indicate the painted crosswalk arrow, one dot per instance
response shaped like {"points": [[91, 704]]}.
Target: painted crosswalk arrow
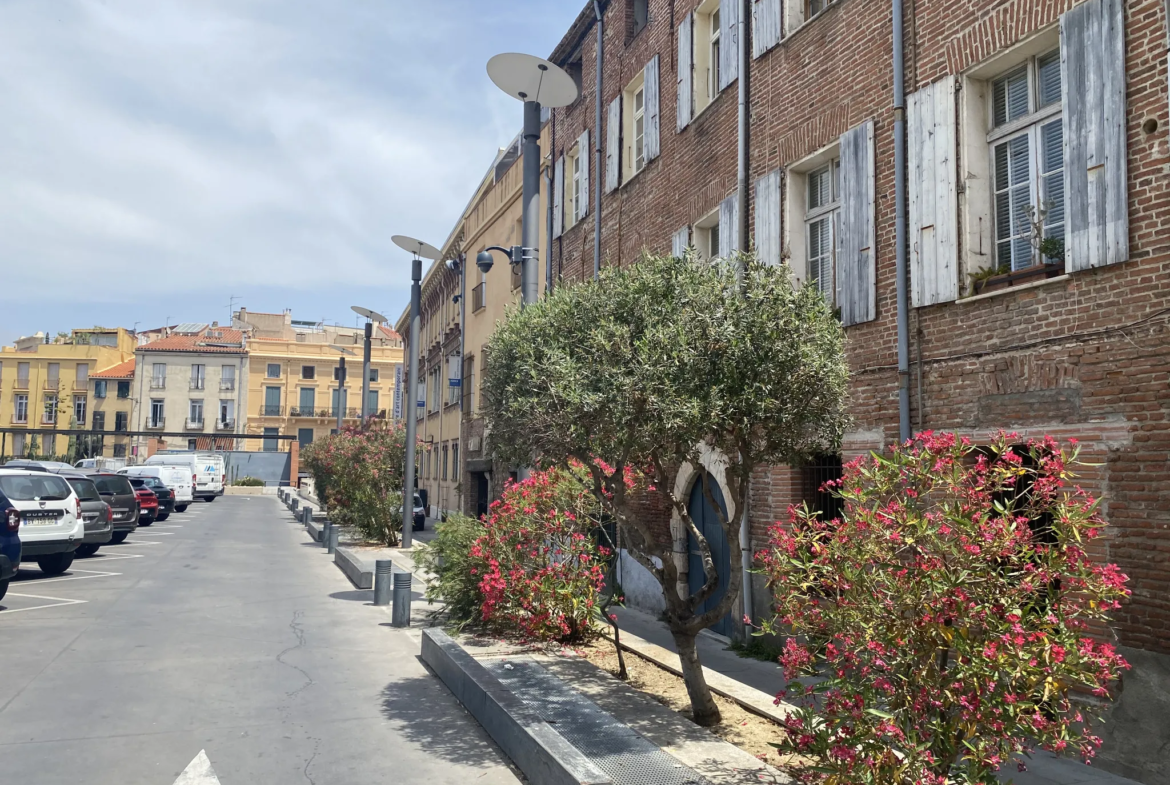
{"points": [[198, 772]]}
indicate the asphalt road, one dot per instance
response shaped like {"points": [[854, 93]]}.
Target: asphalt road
{"points": [[221, 630]]}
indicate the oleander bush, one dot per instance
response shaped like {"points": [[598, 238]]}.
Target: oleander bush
{"points": [[949, 619], [454, 579]]}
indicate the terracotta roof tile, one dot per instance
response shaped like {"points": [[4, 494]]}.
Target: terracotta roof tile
{"points": [[214, 340], [120, 371]]}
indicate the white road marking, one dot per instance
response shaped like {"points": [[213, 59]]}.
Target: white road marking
{"points": [[57, 602], [111, 557], [198, 772], [96, 574], [155, 534]]}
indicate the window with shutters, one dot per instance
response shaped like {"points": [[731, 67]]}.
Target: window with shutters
{"points": [[707, 236], [576, 185], [797, 12], [813, 202], [637, 15], [634, 114], [706, 55], [1027, 165]]}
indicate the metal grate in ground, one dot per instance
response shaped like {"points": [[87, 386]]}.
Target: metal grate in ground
{"points": [[618, 750]]}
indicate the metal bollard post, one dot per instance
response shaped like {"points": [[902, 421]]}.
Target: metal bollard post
{"points": [[295, 504], [325, 532], [400, 616], [383, 572], [332, 544], [306, 514]]}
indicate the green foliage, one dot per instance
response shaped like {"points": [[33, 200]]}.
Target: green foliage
{"points": [[248, 482], [358, 475], [757, 649], [448, 559]]}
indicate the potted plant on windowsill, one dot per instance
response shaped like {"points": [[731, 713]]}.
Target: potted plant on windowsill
{"points": [[1051, 255]]}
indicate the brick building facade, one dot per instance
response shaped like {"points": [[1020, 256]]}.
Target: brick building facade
{"points": [[1049, 321]]}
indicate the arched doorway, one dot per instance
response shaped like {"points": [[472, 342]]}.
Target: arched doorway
{"points": [[707, 521]]}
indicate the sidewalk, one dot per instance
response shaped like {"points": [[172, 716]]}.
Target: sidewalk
{"points": [[1043, 768]]}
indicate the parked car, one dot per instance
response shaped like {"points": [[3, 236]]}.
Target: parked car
{"points": [[207, 471], [165, 496], [95, 514], [51, 526], [27, 463], [147, 502], [9, 543], [420, 514], [178, 478], [109, 464], [116, 491]]}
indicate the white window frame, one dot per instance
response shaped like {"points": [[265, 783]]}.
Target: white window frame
{"points": [[573, 194], [49, 415], [1031, 127], [632, 163], [705, 237], [705, 58], [268, 371], [798, 217], [158, 412], [80, 409], [198, 376], [20, 408], [195, 406]]}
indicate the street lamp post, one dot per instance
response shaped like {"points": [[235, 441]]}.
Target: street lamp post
{"points": [[420, 250], [371, 318], [537, 82], [340, 393]]}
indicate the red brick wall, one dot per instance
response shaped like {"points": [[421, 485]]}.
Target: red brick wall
{"points": [[1088, 356]]}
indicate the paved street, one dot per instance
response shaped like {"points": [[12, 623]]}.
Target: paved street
{"points": [[221, 630]]}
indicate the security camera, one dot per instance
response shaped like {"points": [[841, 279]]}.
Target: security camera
{"points": [[484, 261]]}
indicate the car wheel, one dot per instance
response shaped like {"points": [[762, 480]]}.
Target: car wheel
{"points": [[145, 521], [164, 516], [3, 589], [210, 499], [55, 564], [119, 538], [181, 508], [85, 551]]}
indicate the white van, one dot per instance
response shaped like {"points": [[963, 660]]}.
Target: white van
{"points": [[177, 478], [207, 471], [102, 464]]}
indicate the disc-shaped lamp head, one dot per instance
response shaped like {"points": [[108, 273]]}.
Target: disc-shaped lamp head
{"points": [[373, 316], [531, 78], [416, 247]]}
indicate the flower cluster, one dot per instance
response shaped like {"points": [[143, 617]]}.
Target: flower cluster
{"points": [[539, 564], [358, 475], [944, 624]]}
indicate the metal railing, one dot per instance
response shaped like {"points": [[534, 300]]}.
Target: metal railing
{"points": [[18, 420], [271, 411], [20, 384], [227, 385], [225, 425], [197, 384], [157, 383], [195, 425], [477, 296], [52, 384], [156, 424], [81, 385]]}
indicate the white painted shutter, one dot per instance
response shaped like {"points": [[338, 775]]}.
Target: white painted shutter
{"points": [[651, 145], [559, 197], [856, 239], [768, 218], [686, 71], [933, 194], [728, 226], [1092, 60], [765, 26], [728, 42], [583, 155], [680, 242], [613, 144]]}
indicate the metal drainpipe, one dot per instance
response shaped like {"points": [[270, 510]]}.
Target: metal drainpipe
{"points": [[462, 354], [900, 227], [596, 169], [548, 188], [745, 534]]}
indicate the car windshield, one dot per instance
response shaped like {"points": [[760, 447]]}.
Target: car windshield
{"points": [[48, 488], [86, 490], [155, 482], [113, 485], [418, 501]]}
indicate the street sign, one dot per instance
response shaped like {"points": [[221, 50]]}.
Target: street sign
{"points": [[422, 395], [454, 371], [397, 392]]}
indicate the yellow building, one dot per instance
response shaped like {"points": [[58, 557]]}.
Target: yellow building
{"points": [[112, 401], [454, 468], [45, 389], [292, 376]]}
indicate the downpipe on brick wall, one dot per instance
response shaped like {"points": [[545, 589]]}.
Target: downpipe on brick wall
{"points": [[900, 227], [745, 534], [596, 168]]}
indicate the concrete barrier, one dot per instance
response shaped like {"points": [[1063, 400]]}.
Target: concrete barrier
{"points": [[314, 530], [544, 756], [360, 573]]}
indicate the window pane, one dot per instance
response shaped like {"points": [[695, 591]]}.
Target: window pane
{"points": [[819, 188], [1010, 97], [1048, 70], [1013, 229], [820, 255], [1052, 178]]}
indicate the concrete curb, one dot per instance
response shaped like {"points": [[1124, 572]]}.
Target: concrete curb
{"points": [[544, 756], [360, 574], [315, 530]]}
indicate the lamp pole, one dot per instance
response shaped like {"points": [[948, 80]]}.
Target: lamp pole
{"points": [[412, 413], [366, 373], [340, 393], [530, 203]]}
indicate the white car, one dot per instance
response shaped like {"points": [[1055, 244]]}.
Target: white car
{"points": [[51, 525], [177, 478]]}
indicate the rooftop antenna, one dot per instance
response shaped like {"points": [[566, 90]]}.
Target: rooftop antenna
{"points": [[231, 306]]}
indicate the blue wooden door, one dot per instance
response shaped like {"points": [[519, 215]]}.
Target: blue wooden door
{"points": [[707, 522]]}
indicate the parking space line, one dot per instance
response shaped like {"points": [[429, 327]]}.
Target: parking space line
{"points": [[105, 558], [156, 534], [96, 574], [57, 602]]}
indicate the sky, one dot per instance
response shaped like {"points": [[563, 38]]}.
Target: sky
{"points": [[160, 159]]}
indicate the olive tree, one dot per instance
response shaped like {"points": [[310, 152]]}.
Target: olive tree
{"points": [[664, 363]]}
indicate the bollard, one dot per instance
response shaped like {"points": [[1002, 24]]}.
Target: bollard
{"points": [[325, 532], [400, 616], [306, 514], [383, 572], [334, 531], [295, 504]]}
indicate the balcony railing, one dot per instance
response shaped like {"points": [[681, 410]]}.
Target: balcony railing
{"points": [[52, 384], [121, 427], [227, 385], [20, 384], [477, 295], [158, 424], [19, 420], [225, 425], [196, 384], [48, 419], [271, 411], [194, 425], [158, 384], [81, 385]]}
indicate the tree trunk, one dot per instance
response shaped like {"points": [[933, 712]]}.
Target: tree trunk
{"points": [[703, 707]]}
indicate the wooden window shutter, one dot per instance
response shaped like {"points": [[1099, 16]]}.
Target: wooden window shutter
{"points": [[856, 239], [1092, 60], [933, 194], [729, 226], [765, 26], [583, 154], [768, 218], [559, 197], [686, 69], [728, 42], [680, 242], [613, 144], [651, 144]]}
